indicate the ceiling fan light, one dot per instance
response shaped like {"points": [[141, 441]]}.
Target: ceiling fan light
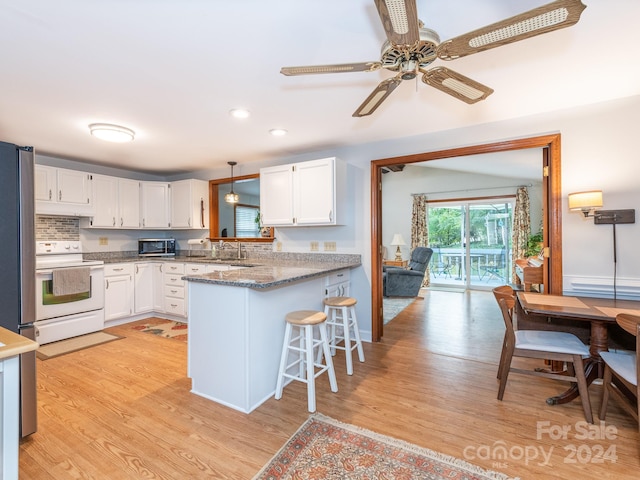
{"points": [[111, 133], [239, 113], [548, 19], [278, 132]]}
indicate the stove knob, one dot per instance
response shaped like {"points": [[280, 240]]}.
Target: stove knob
{"points": [[67, 247]]}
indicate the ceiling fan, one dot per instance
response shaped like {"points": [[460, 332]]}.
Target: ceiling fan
{"points": [[410, 49]]}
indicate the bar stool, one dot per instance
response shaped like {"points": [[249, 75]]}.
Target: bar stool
{"points": [[341, 314], [304, 344]]}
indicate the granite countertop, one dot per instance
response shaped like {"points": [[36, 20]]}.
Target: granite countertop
{"points": [[270, 273], [13, 344]]}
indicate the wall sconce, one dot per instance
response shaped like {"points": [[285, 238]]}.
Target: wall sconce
{"points": [[397, 241], [231, 197], [587, 202]]}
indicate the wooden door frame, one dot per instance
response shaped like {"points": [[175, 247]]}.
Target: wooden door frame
{"points": [[552, 212]]}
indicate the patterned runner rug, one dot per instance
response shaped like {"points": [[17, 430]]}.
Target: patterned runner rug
{"points": [[164, 328], [324, 448], [391, 307]]}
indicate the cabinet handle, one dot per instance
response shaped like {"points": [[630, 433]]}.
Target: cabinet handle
{"points": [[136, 268], [107, 287], [121, 221], [174, 305], [174, 291], [114, 221], [189, 221], [161, 268], [59, 195], [340, 275], [202, 212], [50, 194], [330, 214]]}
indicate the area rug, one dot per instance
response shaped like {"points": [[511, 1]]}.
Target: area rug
{"points": [[324, 448], [165, 328], [62, 347], [391, 307]]}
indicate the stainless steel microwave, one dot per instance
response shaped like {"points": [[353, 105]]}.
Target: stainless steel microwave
{"points": [[157, 247]]}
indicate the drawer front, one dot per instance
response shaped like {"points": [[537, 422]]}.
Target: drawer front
{"points": [[174, 306], [337, 277], [171, 279], [194, 269], [113, 269], [174, 291], [173, 267]]}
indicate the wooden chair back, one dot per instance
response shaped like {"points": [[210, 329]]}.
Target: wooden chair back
{"points": [[505, 292]]}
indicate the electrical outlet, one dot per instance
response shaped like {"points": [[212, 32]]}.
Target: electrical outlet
{"points": [[329, 246], [103, 241], [279, 246], [315, 246]]}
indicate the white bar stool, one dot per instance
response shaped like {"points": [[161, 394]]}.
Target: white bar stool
{"points": [[341, 313], [304, 344]]}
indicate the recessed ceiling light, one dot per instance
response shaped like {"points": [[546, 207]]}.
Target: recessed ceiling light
{"points": [[239, 113], [278, 132], [111, 133]]}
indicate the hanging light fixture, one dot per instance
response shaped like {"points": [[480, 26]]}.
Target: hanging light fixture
{"points": [[231, 197]]}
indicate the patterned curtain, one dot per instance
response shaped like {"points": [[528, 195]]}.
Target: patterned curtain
{"points": [[420, 228], [521, 229]]}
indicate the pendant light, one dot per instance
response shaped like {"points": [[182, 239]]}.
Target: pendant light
{"points": [[231, 197]]}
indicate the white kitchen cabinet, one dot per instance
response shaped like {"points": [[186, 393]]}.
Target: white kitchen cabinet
{"points": [[174, 289], [276, 195], [303, 194], [59, 191], [118, 293], [337, 284], [143, 291], [190, 204], [116, 202], [155, 205], [158, 287]]}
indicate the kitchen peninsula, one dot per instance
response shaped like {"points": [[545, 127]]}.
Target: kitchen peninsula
{"points": [[236, 323]]}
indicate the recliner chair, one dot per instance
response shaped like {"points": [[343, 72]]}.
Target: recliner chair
{"points": [[401, 282]]}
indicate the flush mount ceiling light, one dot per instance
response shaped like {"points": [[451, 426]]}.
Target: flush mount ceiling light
{"points": [[278, 132], [111, 133], [239, 113], [231, 197]]}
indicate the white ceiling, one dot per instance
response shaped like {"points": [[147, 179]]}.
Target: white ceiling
{"points": [[172, 69]]}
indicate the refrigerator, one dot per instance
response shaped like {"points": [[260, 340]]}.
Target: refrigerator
{"points": [[17, 281]]}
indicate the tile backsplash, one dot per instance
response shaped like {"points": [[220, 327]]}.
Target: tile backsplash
{"points": [[57, 228]]}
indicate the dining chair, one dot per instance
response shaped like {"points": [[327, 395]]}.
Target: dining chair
{"points": [[621, 368], [558, 346]]}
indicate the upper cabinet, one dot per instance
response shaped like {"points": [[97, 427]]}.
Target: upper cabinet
{"points": [[155, 205], [190, 204], [304, 194], [116, 202], [59, 191]]}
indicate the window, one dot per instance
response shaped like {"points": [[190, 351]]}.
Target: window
{"points": [[246, 225]]}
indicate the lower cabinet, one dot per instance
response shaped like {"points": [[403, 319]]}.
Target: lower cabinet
{"points": [[118, 291], [174, 289], [143, 288], [158, 286], [337, 284]]}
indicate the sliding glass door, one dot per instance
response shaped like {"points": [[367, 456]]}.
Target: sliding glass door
{"points": [[471, 243]]}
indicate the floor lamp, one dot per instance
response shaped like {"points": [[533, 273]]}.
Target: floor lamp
{"points": [[587, 202]]}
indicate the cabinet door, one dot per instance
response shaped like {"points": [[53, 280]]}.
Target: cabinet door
{"points": [[73, 187], [158, 287], [314, 192], [143, 288], [45, 183], [105, 199], [181, 203], [154, 204], [128, 203], [276, 195], [117, 297]]}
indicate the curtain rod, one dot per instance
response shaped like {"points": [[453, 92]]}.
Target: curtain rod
{"points": [[470, 190]]}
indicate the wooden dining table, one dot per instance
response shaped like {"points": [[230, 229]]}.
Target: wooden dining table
{"points": [[599, 312]]}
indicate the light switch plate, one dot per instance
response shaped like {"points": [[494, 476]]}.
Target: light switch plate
{"points": [[329, 246], [315, 246]]}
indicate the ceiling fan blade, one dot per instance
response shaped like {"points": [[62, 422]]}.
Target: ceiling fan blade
{"points": [[373, 101], [337, 68], [399, 20], [456, 85], [547, 18]]}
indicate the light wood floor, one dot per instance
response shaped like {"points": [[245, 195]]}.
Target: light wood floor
{"points": [[123, 410]]}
